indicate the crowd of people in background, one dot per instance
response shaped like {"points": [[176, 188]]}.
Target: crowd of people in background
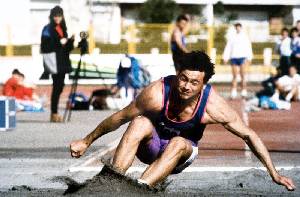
{"points": [[288, 47], [278, 91], [284, 86]]}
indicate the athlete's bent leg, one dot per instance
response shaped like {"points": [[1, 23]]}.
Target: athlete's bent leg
{"points": [[177, 152], [140, 129]]}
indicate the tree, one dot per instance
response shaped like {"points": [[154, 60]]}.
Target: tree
{"points": [[158, 11]]}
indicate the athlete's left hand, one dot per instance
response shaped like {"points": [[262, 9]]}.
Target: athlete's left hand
{"points": [[285, 181]]}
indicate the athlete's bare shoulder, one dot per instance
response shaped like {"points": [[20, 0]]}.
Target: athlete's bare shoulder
{"points": [[217, 110], [176, 33], [150, 99]]}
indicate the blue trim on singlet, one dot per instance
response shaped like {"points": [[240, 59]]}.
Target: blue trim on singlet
{"points": [[191, 129]]}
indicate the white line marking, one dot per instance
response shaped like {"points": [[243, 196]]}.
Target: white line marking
{"points": [[215, 169], [189, 169], [84, 165]]}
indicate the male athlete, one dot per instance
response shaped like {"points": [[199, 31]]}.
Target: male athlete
{"points": [[178, 44], [167, 121]]}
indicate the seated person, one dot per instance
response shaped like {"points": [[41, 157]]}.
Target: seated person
{"points": [[26, 99], [288, 86]]}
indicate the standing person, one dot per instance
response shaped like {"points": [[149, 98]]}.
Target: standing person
{"points": [[178, 44], [284, 49], [55, 39], [295, 44], [239, 51], [167, 121]]}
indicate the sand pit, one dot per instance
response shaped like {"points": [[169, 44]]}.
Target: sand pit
{"points": [[109, 182], [251, 182]]}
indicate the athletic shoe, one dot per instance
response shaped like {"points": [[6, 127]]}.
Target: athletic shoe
{"points": [[244, 93], [233, 94]]}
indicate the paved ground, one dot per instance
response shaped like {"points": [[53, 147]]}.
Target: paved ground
{"points": [[37, 152]]}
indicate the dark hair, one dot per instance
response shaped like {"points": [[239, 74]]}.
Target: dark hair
{"points": [[294, 29], [182, 17], [58, 11], [284, 29], [197, 61], [238, 25], [16, 72], [298, 21]]}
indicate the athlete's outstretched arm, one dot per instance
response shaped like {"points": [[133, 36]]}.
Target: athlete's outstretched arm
{"points": [[218, 111], [149, 100]]}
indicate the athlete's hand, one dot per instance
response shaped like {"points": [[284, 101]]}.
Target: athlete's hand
{"points": [[285, 181], [78, 148]]}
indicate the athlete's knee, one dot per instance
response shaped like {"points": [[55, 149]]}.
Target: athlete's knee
{"points": [[139, 128], [179, 145]]}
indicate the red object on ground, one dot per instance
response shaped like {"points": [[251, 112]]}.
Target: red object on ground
{"points": [[13, 88]]}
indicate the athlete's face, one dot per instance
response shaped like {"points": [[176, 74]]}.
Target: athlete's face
{"points": [[189, 83], [182, 24]]}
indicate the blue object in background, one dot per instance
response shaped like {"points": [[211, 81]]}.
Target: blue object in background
{"points": [[7, 113]]}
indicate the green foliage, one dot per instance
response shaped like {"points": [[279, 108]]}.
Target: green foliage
{"points": [[219, 8], [158, 11]]}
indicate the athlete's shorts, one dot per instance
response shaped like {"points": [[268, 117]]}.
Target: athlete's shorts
{"points": [[148, 153], [237, 61]]}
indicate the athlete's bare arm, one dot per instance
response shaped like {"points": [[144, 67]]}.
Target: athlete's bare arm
{"points": [[147, 103], [177, 38], [218, 111]]}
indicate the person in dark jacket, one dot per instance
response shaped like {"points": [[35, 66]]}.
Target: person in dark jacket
{"points": [[55, 39]]}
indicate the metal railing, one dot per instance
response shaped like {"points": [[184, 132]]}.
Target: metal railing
{"points": [[149, 38]]}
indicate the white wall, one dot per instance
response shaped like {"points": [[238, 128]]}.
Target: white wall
{"points": [[107, 23], [296, 13], [15, 15]]}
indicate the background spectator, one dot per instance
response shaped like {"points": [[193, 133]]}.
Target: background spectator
{"points": [[178, 44], [288, 85], [26, 99], [285, 51], [238, 50], [55, 39], [295, 56]]}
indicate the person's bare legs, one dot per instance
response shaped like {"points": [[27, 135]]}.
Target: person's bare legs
{"points": [[293, 94], [235, 70], [243, 79], [177, 151], [139, 129]]}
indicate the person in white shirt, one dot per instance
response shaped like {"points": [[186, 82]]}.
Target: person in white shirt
{"points": [[284, 48], [288, 85], [239, 51]]}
